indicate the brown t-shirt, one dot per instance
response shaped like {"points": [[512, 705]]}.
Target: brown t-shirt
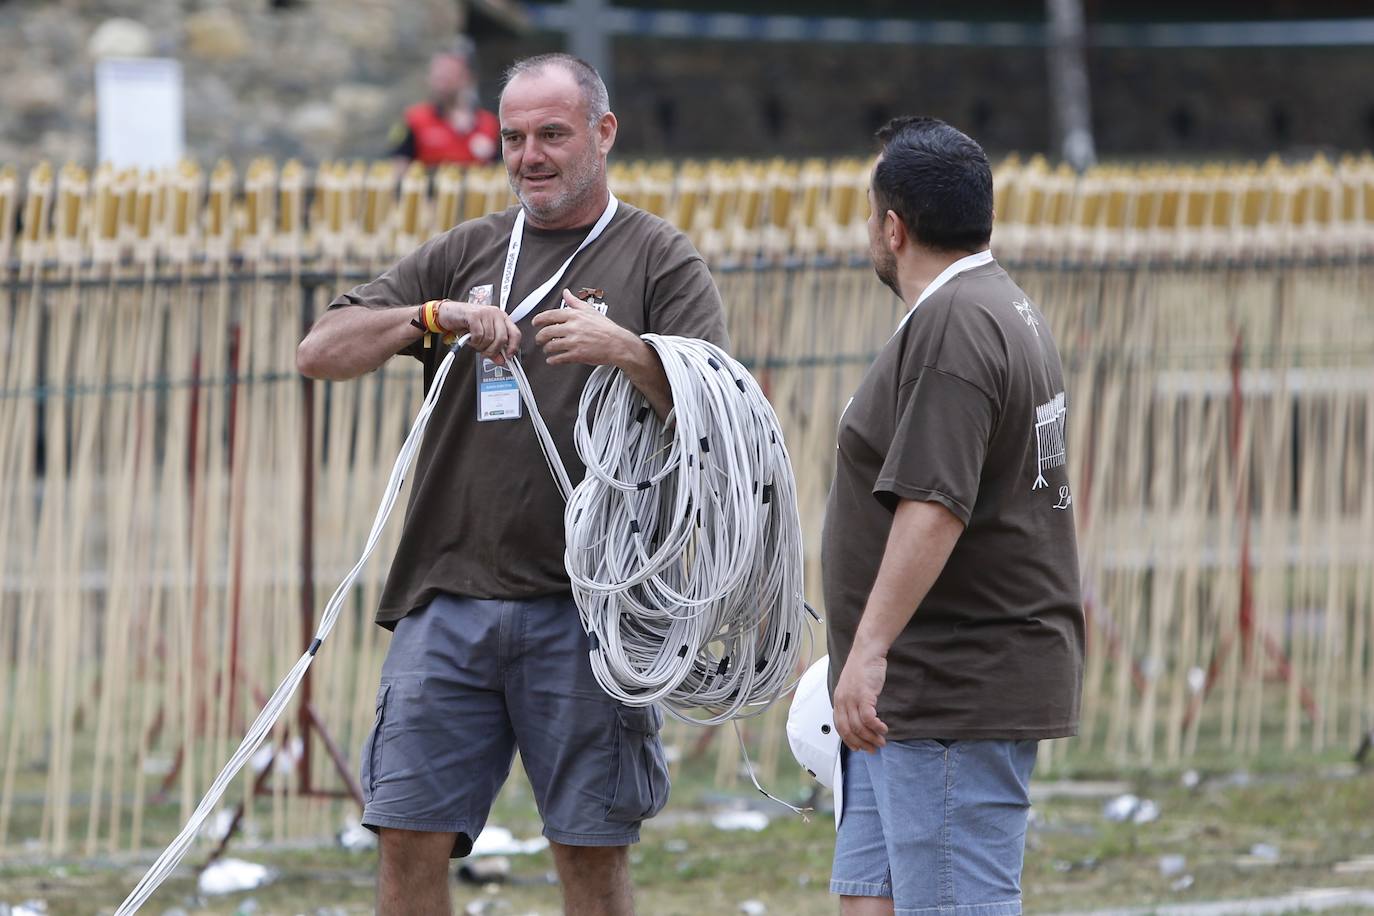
{"points": [[485, 519], [965, 406]]}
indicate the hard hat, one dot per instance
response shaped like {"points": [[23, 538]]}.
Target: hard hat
{"points": [[811, 731]]}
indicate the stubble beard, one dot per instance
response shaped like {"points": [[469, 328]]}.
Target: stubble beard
{"points": [[580, 182], [885, 266]]}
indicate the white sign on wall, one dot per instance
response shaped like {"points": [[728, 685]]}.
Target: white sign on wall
{"points": [[139, 111]]}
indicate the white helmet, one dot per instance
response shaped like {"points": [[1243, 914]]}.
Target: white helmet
{"points": [[811, 731]]}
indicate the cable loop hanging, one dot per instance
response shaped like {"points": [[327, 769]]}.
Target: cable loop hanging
{"points": [[684, 541]]}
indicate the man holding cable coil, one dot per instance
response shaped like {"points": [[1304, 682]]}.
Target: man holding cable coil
{"points": [[488, 654], [951, 575]]}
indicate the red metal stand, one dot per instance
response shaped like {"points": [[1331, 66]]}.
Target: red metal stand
{"points": [[308, 723], [1246, 611]]}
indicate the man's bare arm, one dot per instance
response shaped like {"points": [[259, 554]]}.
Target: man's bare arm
{"points": [[644, 369], [347, 342], [923, 536]]}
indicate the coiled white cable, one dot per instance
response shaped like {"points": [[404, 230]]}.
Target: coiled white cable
{"points": [[684, 551], [684, 542]]}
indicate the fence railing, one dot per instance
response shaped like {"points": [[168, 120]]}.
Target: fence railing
{"points": [[174, 497], [735, 211]]}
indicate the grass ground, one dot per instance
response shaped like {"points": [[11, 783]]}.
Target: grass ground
{"points": [[1268, 831]]}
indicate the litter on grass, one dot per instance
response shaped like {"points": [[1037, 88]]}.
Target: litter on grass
{"points": [[230, 876]]}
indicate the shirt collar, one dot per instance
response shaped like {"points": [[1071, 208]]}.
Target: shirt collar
{"points": [[949, 273]]}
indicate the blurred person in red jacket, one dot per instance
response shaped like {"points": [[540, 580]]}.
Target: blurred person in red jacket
{"points": [[451, 126]]}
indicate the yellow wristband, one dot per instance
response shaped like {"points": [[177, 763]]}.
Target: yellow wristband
{"points": [[432, 317]]}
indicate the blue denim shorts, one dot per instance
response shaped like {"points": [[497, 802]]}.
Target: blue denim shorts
{"points": [[466, 683], [939, 827]]}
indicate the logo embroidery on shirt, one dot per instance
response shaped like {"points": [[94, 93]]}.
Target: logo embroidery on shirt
{"points": [[1023, 308], [595, 297], [1049, 438]]}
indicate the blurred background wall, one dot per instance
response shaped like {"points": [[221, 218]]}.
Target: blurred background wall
{"points": [[320, 80]]}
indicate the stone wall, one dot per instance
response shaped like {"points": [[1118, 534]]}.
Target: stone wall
{"points": [[315, 79], [322, 79]]}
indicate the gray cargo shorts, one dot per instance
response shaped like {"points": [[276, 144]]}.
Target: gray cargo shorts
{"points": [[465, 684]]}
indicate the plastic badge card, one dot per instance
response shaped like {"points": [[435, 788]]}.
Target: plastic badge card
{"points": [[498, 395]]}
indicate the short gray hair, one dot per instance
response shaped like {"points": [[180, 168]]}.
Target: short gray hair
{"points": [[594, 93]]}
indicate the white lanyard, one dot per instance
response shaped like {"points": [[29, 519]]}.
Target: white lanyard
{"points": [[513, 255], [949, 273]]}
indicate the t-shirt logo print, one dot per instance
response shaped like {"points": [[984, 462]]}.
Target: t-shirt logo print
{"points": [[595, 297], [1023, 308], [1049, 437]]}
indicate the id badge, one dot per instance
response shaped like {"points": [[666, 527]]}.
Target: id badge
{"points": [[498, 394]]}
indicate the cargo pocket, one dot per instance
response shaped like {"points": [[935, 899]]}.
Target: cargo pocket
{"points": [[639, 787], [372, 747]]}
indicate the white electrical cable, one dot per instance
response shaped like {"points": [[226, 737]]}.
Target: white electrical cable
{"points": [[684, 543], [684, 551], [276, 705]]}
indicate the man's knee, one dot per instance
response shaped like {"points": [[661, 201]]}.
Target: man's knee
{"points": [[415, 850], [590, 856], [865, 906], [595, 879], [591, 865], [412, 877]]}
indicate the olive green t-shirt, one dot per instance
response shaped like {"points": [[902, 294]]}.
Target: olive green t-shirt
{"points": [[485, 519], [965, 406]]}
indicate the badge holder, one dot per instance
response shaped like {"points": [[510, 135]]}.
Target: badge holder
{"points": [[498, 394]]}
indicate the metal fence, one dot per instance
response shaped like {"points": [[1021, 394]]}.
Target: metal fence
{"points": [[174, 498]]}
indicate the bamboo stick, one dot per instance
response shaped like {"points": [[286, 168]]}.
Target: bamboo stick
{"points": [[140, 490]]}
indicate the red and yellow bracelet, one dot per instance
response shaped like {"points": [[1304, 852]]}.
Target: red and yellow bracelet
{"points": [[428, 321], [432, 317]]}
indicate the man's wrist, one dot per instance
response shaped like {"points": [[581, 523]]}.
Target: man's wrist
{"points": [[868, 647], [635, 356], [430, 316], [451, 316]]}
